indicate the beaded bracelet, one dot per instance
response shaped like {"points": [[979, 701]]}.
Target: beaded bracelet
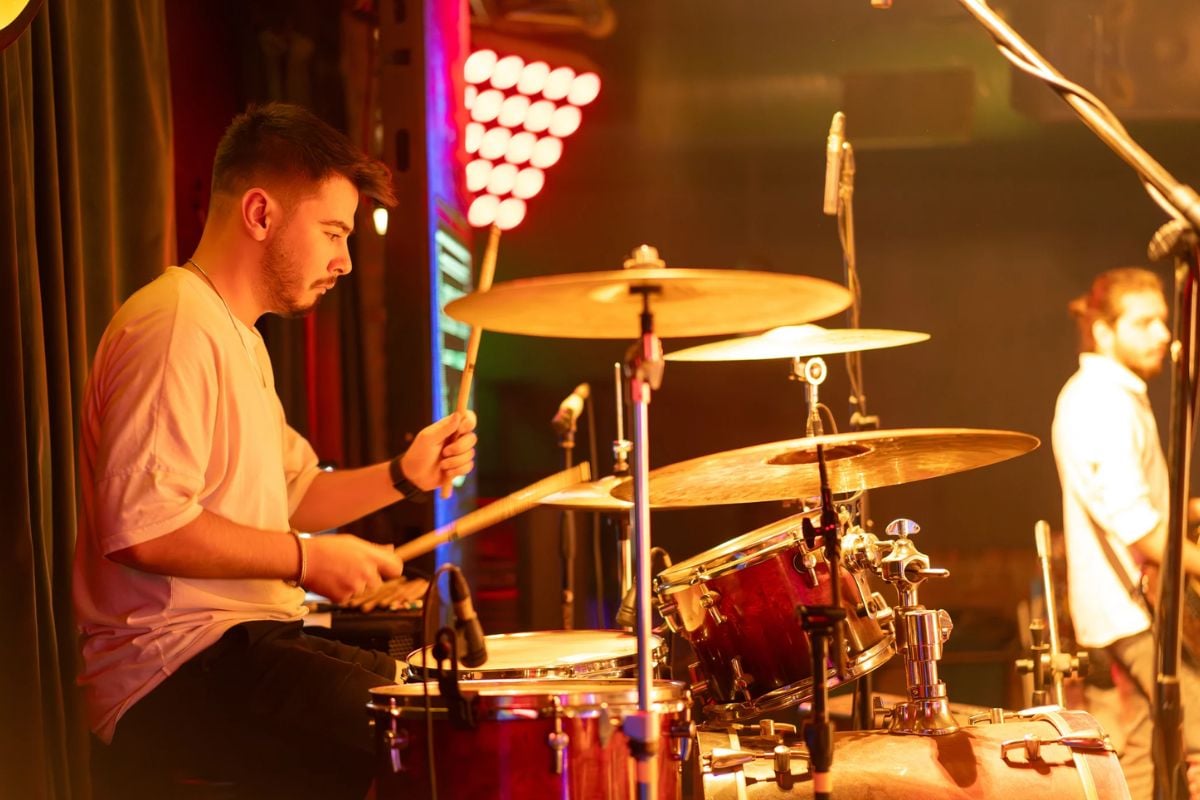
{"points": [[303, 572]]}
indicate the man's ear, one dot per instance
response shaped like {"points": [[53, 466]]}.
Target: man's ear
{"points": [[258, 212], [1102, 335]]}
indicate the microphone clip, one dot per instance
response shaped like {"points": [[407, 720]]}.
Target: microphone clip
{"points": [[458, 708]]}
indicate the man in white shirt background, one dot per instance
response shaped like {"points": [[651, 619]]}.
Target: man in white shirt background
{"points": [[1116, 495]]}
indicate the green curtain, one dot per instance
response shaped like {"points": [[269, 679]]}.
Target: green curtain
{"points": [[86, 216]]}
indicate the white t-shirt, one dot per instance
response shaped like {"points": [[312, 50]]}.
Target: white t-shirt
{"points": [[1114, 481], [180, 415]]}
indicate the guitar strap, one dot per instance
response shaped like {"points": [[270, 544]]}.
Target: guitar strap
{"points": [[1136, 589]]}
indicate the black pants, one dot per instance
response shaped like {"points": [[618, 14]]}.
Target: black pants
{"points": [[267, 711]]}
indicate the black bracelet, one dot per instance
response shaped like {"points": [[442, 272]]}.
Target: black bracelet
{"points": [[401, 483]]}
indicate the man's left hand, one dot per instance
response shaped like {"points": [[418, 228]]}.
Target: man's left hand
{"points": [[441, 451]]}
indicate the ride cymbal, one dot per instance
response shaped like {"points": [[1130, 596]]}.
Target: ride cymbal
{"points": [[684, 301], [798, 341], [854, 461]]}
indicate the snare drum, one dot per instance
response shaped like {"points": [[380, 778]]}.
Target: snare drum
{"points": [[737, 605], [556, 738], [979, 761], [549, 654]]}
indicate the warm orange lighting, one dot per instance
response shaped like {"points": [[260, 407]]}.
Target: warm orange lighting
{"points": [[546, 152], [520, 147], [482, 212], [510, 213], [479, 65], [529, 182], [584, 89], [565, 121], [507, 72]]}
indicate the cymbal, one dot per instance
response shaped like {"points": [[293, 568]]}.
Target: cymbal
{"points": [[798, 341], [685, 301], [589, 496], [854, 461]]}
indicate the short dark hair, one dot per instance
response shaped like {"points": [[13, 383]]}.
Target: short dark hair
{"points": [[289, 143], [1103, 300]]}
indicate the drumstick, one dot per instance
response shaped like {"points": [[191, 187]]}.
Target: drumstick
{"points": [[486, 271], [489, 515]]}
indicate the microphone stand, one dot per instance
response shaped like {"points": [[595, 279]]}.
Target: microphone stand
{"points": [[1182, 203], [566, 441]]}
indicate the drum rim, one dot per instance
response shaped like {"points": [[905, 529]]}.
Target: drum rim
{"points": [[739, 552], [567, 670], [572, 696]]}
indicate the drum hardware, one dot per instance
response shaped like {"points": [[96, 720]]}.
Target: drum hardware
{"points": [[1047, 663], [564, 423], [1032, 745], [920, 634], [993, 716], [812, 373], [396, 742], [558, 741], [445, 648]]}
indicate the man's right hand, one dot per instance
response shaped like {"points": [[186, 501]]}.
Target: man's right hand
{"points": [[341, 565]]}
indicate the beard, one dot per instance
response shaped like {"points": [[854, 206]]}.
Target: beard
{"points": [[283, 285]]}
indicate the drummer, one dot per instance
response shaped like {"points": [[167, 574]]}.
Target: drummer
{"points": [[189, 571], [1116, 496]]}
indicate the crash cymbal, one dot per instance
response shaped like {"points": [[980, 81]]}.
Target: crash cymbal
{"points": [[589, 496], [798, 341], [685, 302], [855, 461]]}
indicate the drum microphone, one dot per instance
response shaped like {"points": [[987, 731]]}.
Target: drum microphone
{"points": [[833, 162], [466, 621], [627, 613], [570, 409]]}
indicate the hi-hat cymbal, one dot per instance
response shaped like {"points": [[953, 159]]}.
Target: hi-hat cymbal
{"points": [[798, 341], [854, 461], [685, 302]]}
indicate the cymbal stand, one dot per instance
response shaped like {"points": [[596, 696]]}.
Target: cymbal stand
{"points": [[920, 634], [823, 623], [644, 367], [621, 447], [812, 373], [566, 440]]}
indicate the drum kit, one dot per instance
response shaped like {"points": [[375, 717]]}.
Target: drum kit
{"points": [[775, 616]]}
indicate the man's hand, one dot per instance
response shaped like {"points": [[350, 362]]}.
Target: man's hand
{"points": [[441, 451], [341, 565]]}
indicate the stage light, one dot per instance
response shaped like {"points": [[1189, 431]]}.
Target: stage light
{"points": [[513, 110], [502, 179], [479, 65], [509, 213], [495, 143], [537, 118], [584, 89], [477, 174], [482, 212], [520, 147], [487, 106], [533, 78], [474, 135], [558, 83], [380, 217], [565, 121], [507, 72], [469, 96], [529, 182], [546, 152]]}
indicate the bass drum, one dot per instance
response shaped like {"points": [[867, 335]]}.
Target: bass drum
{"points": [[1018, 759]]}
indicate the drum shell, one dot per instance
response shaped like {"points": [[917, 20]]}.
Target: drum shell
{"points": [[507, 753], [956, 766], [749, 611]]}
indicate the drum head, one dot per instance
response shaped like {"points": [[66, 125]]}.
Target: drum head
{"points": [[548, 654], [747, 549]]}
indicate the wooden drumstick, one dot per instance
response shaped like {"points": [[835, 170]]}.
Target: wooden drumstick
{"points": [[489, 515], [486, 271]]}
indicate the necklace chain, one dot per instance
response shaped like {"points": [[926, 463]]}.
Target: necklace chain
{"points": [[258, 367]]}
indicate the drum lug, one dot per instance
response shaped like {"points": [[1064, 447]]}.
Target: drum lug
{"points": [[699, 683], [741, 680], [668, 609], [709, 600], [880, 611], [993, 716], [558, 742], [1032, 745], [806, 564], [683, 735], [604, 727], [396, 741]]}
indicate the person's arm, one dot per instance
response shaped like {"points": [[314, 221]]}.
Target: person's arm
{"points": [[445, 449], [1152, 545], [338, 566]]}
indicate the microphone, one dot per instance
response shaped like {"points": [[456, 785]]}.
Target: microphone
{"points": [[833, 162], [627, 613], [570, 409], [466, 622]]}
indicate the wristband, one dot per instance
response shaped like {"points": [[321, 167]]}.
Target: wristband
{"points": [[401, 483], [302, 573]]}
